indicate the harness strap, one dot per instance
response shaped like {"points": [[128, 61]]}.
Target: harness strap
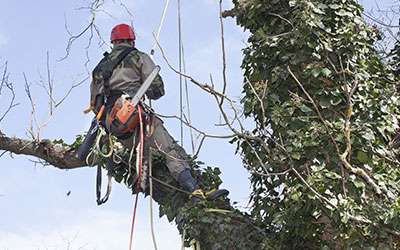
{"points": [[110, 168], [108, 68]]}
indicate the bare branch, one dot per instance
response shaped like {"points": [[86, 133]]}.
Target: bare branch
{"points": [[218, 96], [33, 104], [202, 133], [316, 109], [48, 84], [260, 101], [93, 9], [4, 83], [345, 157], [2, 153]]}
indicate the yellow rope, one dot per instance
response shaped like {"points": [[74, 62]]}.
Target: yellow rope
{"points": [[159, 29], [151, 201], [130, 161], [214, 210], [183, 239], [195, 244], [158, 34]]}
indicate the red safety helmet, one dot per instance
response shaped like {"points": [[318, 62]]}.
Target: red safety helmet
{"points": [[122, 31]]}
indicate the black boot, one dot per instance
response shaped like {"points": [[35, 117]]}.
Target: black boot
{"points": [[189, 184]]}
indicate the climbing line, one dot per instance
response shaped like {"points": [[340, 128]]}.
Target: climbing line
{"points": [[183, 239], [130, 162], [139, 175], [159, 28], [216, 210], [151, 201], [169, 185], [195, 244], [180, 70], [182, 63], [188, 103], [158, 34]]}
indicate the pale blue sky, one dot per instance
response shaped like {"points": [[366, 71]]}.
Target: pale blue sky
{"points": [[35, 212]]}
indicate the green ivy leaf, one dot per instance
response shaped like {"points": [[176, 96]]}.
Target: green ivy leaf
{"points": [[325, 103], [362, 157], [296, 155]]}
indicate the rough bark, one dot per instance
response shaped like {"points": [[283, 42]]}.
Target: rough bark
{"points": [[46, 150]]}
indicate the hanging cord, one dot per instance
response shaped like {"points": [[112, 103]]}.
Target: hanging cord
{"points": [[158, 34], [188, 102], [195, 244], [159, 29], [180, 70], [141, 129], [130, 161], [182, 63], [183, 239], [139, 175], [151, 200]]}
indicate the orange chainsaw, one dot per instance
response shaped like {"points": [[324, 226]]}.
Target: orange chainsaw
{"points": [[123, 115]]}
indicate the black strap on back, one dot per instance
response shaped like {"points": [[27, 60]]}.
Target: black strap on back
{"points": [[108, 67]]}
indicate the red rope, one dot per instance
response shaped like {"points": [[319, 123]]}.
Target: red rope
{"points": [[140, 173]]}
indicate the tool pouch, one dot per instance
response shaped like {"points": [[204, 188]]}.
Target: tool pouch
{"points": [[123, 115]]}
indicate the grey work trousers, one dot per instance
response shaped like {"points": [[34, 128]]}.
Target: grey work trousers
{"points": [[162, 141]]}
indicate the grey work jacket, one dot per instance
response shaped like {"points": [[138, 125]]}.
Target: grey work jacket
{"points": [[129, 75]]}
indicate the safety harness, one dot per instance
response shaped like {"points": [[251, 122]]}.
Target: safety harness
{"points": [[106, 67]]}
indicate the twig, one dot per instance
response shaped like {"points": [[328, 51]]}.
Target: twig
{"points": [[316, 109], [204, 134], [48, 85], [261, 102], [268, 174], [10, 87], [218, 96], [2, 153], [33, 104], [159, 148], [94, 8]]}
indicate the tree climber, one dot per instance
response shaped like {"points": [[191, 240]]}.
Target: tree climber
{"points": [[125, 79]]}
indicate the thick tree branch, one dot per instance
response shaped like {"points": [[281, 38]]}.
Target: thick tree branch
{"points": [[46, 150]]}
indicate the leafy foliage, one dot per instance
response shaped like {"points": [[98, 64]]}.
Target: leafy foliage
{"points": [[325, 173], [326, 106], [78, 141], [215, 224]]}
